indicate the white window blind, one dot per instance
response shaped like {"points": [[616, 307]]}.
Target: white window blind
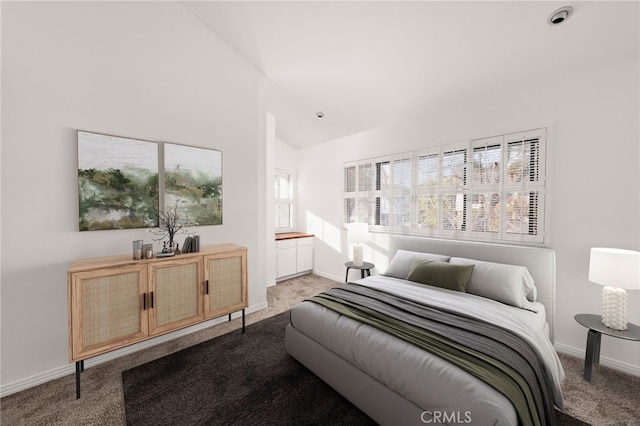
{"points": [[393, 190], [487, 189], [349, 192], [428, 191], [524, 185], [453, 220], [484, 208], [284, 200]]}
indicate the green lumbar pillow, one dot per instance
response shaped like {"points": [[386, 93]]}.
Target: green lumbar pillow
{"points": [[440, 274]]}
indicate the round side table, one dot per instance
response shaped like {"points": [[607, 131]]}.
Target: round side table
{"points": [[365, 268], [596, 330]]}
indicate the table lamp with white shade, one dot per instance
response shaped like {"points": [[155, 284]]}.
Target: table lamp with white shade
{"points": [[618, 270], [358, 233]]}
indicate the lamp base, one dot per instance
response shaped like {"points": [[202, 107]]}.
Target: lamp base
{"points": [[358, 255], [614, 308]]}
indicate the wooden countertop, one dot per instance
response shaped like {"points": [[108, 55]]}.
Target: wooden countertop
{"points": [[290, 235]]}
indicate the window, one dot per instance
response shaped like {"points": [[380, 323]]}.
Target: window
{"points": [[485, 189], [284, 210]]}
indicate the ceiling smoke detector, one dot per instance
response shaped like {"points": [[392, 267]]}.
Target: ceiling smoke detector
{"points": [[319, 114], [560, 15]]}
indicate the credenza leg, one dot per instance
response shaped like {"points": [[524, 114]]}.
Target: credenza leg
{"points": [[229, 317], [243, 320], [79, 369]]}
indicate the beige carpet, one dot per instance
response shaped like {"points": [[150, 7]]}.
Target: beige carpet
{"points": [[611, 398]]}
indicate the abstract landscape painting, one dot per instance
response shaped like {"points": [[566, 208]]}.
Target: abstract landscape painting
{"points": [[193, 183], [117, 182]]}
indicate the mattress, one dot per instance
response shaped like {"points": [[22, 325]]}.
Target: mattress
{"points": [[426, 380]]}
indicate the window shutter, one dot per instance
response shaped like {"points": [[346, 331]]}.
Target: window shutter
{"points": [[348, 192], [358, 185], [349, 209], [428, 170], [524, 186], [486, 161], [453, 212], [485, 212], [382, 193], [485, 207], [428, 211], [402, 173], [365, 206], [488, 189], [454, 166], [283, 217], [454, 185], [284, 208], [428, 191], [365, 177], [402, 192], [349, 178]]}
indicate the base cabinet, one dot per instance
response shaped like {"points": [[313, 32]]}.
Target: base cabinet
{"points": [[116, 301], [286, 256], [294, 257], [304, 254]]}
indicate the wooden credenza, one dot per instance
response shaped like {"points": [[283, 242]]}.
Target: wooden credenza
{"points": [[116, 301]]}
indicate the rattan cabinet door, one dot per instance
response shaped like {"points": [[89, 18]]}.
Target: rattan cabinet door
{"points": [[225, 283], [106, 309], [175, 294]]}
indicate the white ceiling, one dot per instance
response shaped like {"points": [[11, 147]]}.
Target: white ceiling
{"points": [[366, 64]]}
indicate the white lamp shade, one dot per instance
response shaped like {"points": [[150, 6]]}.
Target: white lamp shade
{"points": [[615, 267], [358, 232]]}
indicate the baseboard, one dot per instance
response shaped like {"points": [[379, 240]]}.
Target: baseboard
{"points": [[65, 370], [288, 277], [623, 367], [35, 380], [329, 277]]}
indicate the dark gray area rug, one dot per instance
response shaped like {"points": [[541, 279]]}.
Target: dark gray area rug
{"points": [[239, 379]]}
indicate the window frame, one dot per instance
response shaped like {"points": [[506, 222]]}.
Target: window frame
{"points": [[290, 202], [484, 188]]}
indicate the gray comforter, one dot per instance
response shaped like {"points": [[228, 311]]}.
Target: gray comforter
{"points": [[421, 377]]}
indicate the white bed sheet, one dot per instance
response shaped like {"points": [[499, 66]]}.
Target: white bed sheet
{"points": [[424, 379]]}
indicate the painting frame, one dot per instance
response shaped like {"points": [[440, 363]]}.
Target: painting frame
{"points": [[192, 183], [118, 182]]}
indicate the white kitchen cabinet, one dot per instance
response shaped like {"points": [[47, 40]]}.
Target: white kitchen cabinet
{"points": [[294, 256], [286, 258], [304, 254]]}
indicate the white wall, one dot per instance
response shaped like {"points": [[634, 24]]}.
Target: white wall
{"points": [[594, 186], [147, 70], [286, 158], [270, 193]]}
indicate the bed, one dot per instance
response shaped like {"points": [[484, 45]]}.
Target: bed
{"points": [[412, 376]]}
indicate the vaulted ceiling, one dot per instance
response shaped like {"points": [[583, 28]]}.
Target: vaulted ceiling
{"points": [[366, 64]]}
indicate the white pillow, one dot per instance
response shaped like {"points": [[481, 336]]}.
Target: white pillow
{"points": [[401, 263], [510, 284]]}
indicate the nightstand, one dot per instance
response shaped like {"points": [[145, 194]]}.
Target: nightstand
{"points": [[365, 268], [596, 330]]}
